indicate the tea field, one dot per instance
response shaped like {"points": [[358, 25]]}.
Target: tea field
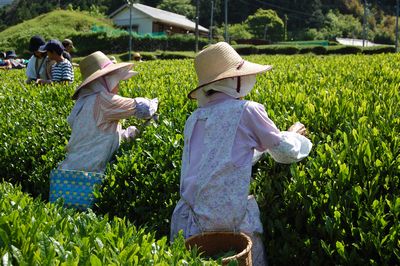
{"points": [[340, 205]]}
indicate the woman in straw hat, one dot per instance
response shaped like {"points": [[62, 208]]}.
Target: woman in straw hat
{"points": [[221, 138], [96, 131]]}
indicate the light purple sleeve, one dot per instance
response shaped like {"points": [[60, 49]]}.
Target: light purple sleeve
{"points": [[261, 129], [284, 147]]}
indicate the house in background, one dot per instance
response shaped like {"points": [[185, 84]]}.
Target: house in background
{"points": [[150, 20]]}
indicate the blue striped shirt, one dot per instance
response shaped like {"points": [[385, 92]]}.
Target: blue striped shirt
{"points": [[62, 71]]}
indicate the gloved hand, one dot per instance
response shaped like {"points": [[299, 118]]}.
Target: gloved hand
{"points": [[130, 133], [145, 108]]}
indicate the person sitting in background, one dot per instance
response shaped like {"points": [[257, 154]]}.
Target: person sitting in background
{"points": [[137, 57], [39, 65], [94, 120], [68, 48], [15, 62], [62, 70], [113, 59]]}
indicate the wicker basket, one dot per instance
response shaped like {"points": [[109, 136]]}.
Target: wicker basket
{"points": [[212, 243]]}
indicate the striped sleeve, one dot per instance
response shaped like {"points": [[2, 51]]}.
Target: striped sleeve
{"points": [[111, 107], [62, 71]]}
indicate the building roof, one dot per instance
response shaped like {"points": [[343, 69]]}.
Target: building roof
{"points": [[163, 16]]}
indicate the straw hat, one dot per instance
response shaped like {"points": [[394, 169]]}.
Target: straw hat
{"points": [[220, 61], [97, 65]]}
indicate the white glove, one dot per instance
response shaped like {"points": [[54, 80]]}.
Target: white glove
{"points": [[145, 108], [130, 133]]}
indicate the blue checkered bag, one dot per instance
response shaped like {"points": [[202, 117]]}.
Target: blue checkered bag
{"points": [[76, 187]]}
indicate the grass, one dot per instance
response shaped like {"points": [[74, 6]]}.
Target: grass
{"points": [[58, 24]]}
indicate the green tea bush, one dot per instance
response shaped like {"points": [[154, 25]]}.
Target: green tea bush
{"points": [[339, 206], [378, 49], [34, 233], [176, 55], [318, 50], [277, 49], [33, 129], [90, 42], [343, 49], [245, 49]]}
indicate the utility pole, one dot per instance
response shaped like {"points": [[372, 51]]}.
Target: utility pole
{"points": [[130, 28], [365, 23], [265, 31], [285, 33], [226, 21], [397, 26], [197, 25], [210, 36]]}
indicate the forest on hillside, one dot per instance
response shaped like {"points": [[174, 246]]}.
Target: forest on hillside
{"points": [[303, 19]]}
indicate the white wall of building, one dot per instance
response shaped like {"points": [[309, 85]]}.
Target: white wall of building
{"points": [[143, 22]]}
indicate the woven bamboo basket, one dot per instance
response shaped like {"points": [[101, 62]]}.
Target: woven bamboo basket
{"points": [[212, 243]]}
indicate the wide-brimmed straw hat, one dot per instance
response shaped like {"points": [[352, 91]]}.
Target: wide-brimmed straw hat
{"points": [[220, 61], [97, 65]]}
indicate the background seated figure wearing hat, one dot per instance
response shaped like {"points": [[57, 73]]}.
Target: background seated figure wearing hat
{"points": [[62, 70], [113, 59], [137, 57], [221, 138], [68, 48], [14, 61], [39, 65], [94, 120]]}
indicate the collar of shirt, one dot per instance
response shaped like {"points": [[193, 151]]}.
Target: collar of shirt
{"points": [[217, 97]]}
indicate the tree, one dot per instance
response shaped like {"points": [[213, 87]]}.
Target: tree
{"points": [[266, 23], [235, 32], [317, 17], [183, 7], [339, 25]]}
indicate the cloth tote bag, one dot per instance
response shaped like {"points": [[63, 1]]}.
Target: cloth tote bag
{"points": [[76, 187]]}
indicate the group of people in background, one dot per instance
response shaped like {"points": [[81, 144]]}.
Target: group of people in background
{"points": [[9, 60], [50, 62]]}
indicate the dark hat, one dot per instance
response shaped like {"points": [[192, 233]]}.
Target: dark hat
{"points": [[35, 42], [10, 54], [52, 46]]}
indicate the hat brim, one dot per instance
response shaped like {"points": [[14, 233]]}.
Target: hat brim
{"points": [[247, 69], [103, 72], [42, 48]]}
